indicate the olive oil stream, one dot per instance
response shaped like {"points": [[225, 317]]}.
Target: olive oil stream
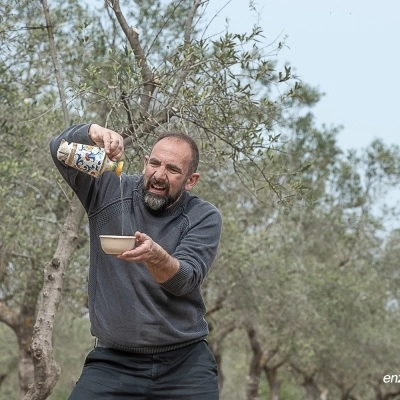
{"points": [[122, 204]]}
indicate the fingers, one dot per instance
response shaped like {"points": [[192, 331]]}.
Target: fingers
{"points": [[134, 255], [113, 144], [111, 141], [140, 252], [140, 237]]}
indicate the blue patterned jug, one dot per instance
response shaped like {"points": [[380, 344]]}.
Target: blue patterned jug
{"points": [[89, 159]]}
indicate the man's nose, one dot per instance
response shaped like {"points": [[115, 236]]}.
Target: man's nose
{"points": [[160, 173]]}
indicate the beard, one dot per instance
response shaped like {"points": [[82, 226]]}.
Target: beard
{"points": [[160, 202]]}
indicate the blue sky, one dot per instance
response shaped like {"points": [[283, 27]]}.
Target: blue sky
{"points": [[349, 49]]}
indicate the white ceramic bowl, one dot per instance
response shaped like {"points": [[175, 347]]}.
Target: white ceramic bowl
{"points": [[112, 244]]}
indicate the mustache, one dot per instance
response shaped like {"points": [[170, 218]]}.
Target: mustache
{"points": [[154, 181]]}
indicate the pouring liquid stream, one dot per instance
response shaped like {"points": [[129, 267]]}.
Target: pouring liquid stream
{"points": [[122, 204]]}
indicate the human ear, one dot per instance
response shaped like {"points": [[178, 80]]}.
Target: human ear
{"points": [[146, 160], [192, 180]]}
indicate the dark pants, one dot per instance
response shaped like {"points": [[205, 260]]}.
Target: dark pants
{"points": [[188, 373]]}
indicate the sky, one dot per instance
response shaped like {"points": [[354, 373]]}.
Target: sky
{"points": [[348, 49]]}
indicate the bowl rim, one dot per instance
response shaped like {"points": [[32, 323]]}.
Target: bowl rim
{"points": [[117, 237]]}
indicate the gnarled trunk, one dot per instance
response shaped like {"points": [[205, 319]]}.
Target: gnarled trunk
{"points": [[273, 381], [256, 365], [46, 369], [313, 390], [24, 333]]}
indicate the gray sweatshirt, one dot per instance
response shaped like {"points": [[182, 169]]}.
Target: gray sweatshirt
{"points": [[128, 309]]}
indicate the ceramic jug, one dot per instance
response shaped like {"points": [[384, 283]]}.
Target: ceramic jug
{"points": [[89, 159]]}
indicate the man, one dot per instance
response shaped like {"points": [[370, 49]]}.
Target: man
{"points": [[145, 305]]}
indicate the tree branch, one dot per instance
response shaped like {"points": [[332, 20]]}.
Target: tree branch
{"points": [[53, 53], [217, 305], [187, 38], [152, 123], [8, 317], [149, 79], [24, 28], [132, 35]]}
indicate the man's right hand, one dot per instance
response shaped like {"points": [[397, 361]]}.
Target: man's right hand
{"points": [[111, 141]]}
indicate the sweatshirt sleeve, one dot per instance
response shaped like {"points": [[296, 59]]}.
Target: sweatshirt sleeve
{"points": [[82, 184], [197, 250]]}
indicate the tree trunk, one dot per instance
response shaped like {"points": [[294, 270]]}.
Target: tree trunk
{"points": [[273, 381], [253, 383], [215, 344], [313, 390], [25, 369], [380, 395], [216, 338], [24, 332], [22, 322], [216, 350], [324, 394], [46, 369], [256, 366], [345, 394]]}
